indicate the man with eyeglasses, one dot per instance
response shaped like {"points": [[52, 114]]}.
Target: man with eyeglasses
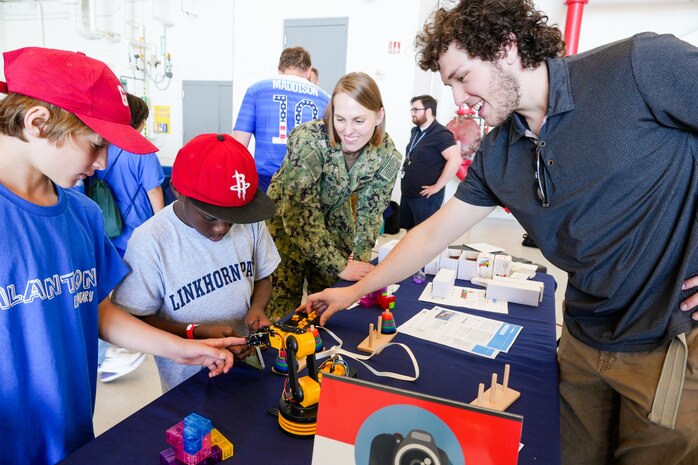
{"points": [[596, 155], [431, 160]]}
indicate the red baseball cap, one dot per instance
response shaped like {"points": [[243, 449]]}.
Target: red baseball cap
{"points": [[219, 175], [79, 84]]}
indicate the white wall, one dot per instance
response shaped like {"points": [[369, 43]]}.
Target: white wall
{"points": [[240, 40], [197, 34]]}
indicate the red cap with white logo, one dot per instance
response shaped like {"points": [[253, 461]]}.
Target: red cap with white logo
{"points": [[220, 177], [79, 84]]}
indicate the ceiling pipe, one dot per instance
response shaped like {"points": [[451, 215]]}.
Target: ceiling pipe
{"points": [[90, 31], [575, 9]]}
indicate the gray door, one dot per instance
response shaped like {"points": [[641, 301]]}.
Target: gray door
{"points": [[326, 40], [206, 108]]}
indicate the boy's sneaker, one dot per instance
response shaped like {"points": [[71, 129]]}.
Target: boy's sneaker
{"points": [[119, 362]]}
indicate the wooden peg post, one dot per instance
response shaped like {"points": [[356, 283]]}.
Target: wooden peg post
{"points": [[498, 396], [375, 337]]}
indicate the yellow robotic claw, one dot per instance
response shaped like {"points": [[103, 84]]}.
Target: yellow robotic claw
{"points": [[299, 400]]}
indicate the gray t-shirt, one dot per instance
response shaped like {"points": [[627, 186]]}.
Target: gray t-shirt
{"points": [[184, 277]]}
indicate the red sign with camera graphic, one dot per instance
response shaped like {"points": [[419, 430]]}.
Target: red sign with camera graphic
{"points": [[362, 423]]}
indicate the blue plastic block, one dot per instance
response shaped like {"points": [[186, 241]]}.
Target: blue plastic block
{"points": [[192, 439], [204, 424]]}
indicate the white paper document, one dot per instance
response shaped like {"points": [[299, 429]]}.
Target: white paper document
{"points": [[484, 247], [466, 297], [469, 333]]}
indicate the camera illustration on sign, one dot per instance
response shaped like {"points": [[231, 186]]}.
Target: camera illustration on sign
{"points": [[416, 448], [403, 434]]}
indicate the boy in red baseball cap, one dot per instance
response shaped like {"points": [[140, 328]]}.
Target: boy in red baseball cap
{"points": [[57, 266], [201, 267]]}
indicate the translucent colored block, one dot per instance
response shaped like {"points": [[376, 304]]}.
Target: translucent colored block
{"points": [[215, 457], [173, 436], [167, 457], [190, 459], [216, 437], [194, 419], [216, 454], [226, 449]]}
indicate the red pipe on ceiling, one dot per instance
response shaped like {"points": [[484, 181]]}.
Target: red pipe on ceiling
{"points": [[575, 9]]}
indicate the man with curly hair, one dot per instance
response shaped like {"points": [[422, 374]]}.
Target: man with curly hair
{"points": [[595, 155]]}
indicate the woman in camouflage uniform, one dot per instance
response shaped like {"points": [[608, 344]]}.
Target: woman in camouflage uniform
{"points": [[330, 193]]}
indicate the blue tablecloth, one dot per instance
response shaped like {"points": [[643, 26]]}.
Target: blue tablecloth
{"points": [[237, 403]]}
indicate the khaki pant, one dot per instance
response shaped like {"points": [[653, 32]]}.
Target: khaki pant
{"points": [[605, 400], [287, 285]]}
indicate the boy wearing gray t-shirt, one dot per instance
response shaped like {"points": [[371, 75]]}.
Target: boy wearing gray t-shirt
{"points": [[201, 267]]}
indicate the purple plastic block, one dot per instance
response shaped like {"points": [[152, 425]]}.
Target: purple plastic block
{"points": [[216, 454], [167, 457]]}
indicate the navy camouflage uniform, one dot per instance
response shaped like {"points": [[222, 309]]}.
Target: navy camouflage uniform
{"points": [[315, 228]]}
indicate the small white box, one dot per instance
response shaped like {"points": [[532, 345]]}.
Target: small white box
{"points": [[515, 290], [525, 269], [443, 283], [385, 249], [433, 266], [449, 259], [502, 265], [485, 265], [467, 265]]}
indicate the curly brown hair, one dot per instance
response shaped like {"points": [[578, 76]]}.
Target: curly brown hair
{"points": [[483, 29]]}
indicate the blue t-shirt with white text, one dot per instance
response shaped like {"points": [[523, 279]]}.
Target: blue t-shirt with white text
{"points": [[56, 265], [271, 109]]}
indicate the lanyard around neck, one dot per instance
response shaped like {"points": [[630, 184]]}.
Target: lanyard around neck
{"points": [[415, 141]]}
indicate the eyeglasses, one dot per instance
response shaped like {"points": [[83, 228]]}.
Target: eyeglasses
{"points": [[415, 110], [541, 184]]}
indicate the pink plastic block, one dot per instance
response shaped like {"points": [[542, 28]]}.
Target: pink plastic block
{"points": [[173, 436], [190, 459]]}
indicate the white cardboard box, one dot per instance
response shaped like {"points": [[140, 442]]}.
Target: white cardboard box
{"points": [[467, 265], [443, 283], [385, 249], [502, 265], [485, 265], [433, 266], [449, 259], [515, 290]]}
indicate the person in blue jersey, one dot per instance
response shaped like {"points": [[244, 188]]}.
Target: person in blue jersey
{"points": [[57, 266], [271, 108]]}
